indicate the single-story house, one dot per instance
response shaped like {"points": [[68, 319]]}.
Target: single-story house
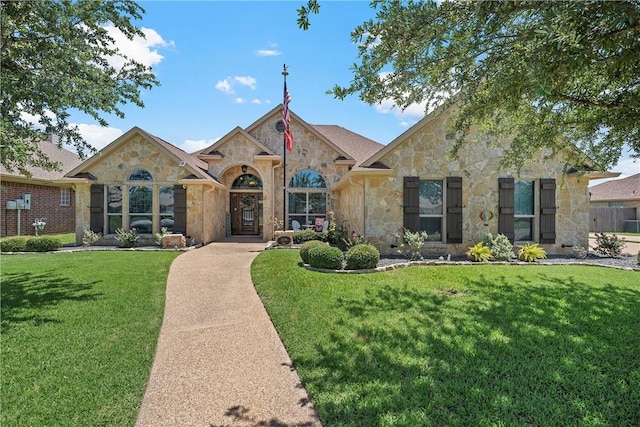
{"points": [[614, 206], [247, 182], [41, 196]]}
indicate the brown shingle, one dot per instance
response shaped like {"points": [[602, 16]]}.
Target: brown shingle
{"points": [[357, 146], [619, 189], [67, 159]]}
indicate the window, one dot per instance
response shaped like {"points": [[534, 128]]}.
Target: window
{"points": [[141, 175], [307, 197], [167, 204], [524, 213], [431, 206], [247, 181], [114, 209], [616, 204], [65, 196], [141, 209]]}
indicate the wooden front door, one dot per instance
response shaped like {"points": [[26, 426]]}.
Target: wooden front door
{"points": [[245, 213]]}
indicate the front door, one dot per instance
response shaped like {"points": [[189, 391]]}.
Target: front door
{"points": [[245, 213]]}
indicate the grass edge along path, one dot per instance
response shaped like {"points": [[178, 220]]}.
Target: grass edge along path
{"points": [[79, 333], [460, 345]]}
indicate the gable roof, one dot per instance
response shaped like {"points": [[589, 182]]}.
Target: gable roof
{"points": [[192, 163], [619, 189], [67, 159], [213, 149], [357, 146]]}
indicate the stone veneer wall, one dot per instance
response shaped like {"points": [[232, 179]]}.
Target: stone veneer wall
{"points": [[309, 152], [424, 154], [115, 169]]}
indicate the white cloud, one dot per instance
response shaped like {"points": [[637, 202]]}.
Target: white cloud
{"points": [[268, 52], [246, 81], [141, 49], [224, 86], [256, 101], [193, 145], [239, 100], [97, 136]]}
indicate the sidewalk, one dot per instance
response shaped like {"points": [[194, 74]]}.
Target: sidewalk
{"points": [[219, 360]]}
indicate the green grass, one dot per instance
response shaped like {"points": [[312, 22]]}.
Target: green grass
{"points": [[460, 345], [79, 332]]}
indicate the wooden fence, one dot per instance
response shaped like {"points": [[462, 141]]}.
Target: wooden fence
{"points": [[609, 219]]}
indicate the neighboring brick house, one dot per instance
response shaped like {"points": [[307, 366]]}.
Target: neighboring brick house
{"points": [[245, 181], [50, 198]]}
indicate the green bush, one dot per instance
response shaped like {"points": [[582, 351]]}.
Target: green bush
{"points": [[500, 246], [128, 239], [43, 244], [14, 244], [412, 243], [323, 256], [531, 252], [306, 247], [609, 245], [302, 236], [362, 256], [479, 253]]}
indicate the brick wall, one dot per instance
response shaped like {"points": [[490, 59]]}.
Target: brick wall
{"points": [[45, 202]]}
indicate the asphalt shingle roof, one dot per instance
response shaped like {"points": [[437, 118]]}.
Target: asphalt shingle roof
{"points": [[67, 159], [619, 189], [357, 146]]}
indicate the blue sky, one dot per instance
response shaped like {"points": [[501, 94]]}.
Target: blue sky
{"points": [[220, 62]]}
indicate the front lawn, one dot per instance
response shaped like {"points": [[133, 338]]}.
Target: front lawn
{"points": [[79, 332], [473, 345]]}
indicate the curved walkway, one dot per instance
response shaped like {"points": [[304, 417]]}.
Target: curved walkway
{"points": [[219, 360]]}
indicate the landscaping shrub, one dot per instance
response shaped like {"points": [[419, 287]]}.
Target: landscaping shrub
{"points": [[362, 256], [609, 245], [306, 247], [580, 252], [90, 237], [479, 253], [412, 243], [500, 246], [15, 244], [42, 244], [128, 239], [531, 252], [323, 256], [302, 236]]}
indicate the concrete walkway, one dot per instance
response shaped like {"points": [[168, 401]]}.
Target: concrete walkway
{"points": [[219, 360]]}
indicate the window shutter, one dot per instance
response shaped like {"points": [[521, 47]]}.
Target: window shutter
{"points": [[411, 203], [506, 207], [96, 209], [547, 210], [179, 209], [454, 209]]}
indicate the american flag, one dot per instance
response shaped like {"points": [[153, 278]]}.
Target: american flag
{"points": [[288, 136]]}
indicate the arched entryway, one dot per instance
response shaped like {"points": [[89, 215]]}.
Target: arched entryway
{"points": [[245, 207]]}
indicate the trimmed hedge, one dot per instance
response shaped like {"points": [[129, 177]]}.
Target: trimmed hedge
{"points": [[43, 244], [306, 247], [361, 257], [307, 235], [323, 256], [14, 244]]}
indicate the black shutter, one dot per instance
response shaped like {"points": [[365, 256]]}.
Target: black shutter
{"points": [[96, 209], [506, 206], [454, 209], [179, 209], [411, 203], [547, 210]]}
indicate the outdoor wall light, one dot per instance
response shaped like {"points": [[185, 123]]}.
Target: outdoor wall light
{"points": [[244, 168]]}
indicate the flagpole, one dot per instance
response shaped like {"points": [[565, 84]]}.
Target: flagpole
{"points": [[285, 215]]}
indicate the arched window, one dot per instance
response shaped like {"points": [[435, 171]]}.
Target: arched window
{"points": [[307, 198], [247, 181], [141, 175]]}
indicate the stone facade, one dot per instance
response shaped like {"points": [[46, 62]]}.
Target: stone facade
{"points": [[366, 199]]}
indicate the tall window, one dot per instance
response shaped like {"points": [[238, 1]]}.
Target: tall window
{"points": [[307, 197], [141, 203], [524, 213], [431, 208], [114, 208], [166, 207], [65, 196]]}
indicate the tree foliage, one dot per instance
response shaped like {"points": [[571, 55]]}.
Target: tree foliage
{"points": [[544, 74], [57, 56]]}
